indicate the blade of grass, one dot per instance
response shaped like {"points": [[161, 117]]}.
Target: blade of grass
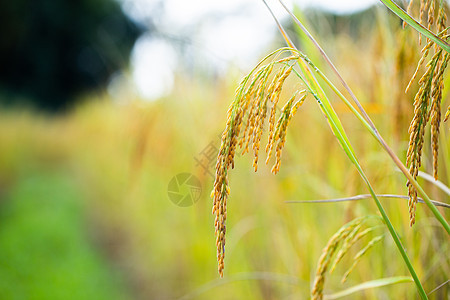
{"points": [[439, 286], [263, 276], [368, 124], [336, 127], [366, 196], [414, 24], [369, 285], [437, 183], [345, 144]]}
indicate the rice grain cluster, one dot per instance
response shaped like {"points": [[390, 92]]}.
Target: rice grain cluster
{"points": [[342, 240], [427, 101], [258, 93]]}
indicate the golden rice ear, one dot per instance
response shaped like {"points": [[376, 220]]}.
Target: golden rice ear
{"points": [[260, 116], [245, 124], [274, 97], [447, 114], [342, 240], [327, 255], [352, 238], [427, 102], [426, 106], [256, 96], [425, 52], [360, 254], [435, 125], [430, 15], [279, 136], [221, 189]]}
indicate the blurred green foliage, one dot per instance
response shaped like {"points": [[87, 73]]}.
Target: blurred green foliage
{"points": [[84, 196], [51, 51], [45, 247]]}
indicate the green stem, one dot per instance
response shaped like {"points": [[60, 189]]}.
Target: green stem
{"points": [[337, 129], [365, 119], [395, 236], [394, 157], [414, 24], [362, 114]]}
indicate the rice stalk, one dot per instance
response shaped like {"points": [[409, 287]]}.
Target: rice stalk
{"points": [[327, 255], [349, 242], [364, 118], [360, 254], [250, 107], [362, 114], [305, 74], [367, 122], [447, 114], [415, 24], [427, 104]]}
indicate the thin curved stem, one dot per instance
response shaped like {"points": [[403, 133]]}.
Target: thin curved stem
{"points": [[339, 132], [366, 196], [336, 126], [371, 126]]}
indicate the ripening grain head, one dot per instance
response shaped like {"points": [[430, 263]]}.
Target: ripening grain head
{"points": [[427, 102], [257, 93]]}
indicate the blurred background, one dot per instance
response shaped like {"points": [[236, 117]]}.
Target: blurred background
{"points": [[110, 117]]}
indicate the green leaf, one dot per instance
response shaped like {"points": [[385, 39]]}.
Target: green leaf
{"points": [[369, 285], [416, 25]]}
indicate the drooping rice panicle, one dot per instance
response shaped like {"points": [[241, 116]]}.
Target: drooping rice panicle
{"points": [[327, 255], [430, 15], [427, 101], [256, 97], [259, 119], [425, 52], [345, 247], [360, 254], [447, 114], [423, 8], [221, 189], [245, 124], [275, 92]]}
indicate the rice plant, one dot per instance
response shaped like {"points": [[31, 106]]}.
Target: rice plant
{"points": [[342, 240], [258, 96]]}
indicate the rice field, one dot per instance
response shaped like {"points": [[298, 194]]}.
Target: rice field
{"points": [[112, 200]]}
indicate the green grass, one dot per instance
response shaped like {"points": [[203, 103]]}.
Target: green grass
{"points": [[103, 171], [84, 210], [46, 249]]}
